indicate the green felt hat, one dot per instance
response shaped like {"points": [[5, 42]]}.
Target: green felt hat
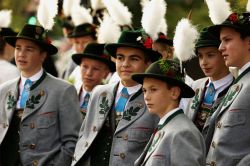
{"points": [[238, 21], [36, 34], [95, 51], [207, 39], [83, 30], [168, 71], [134, 39]]}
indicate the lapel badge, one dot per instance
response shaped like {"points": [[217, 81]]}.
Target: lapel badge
{"points": [[39, 30], [139, 104], [42, 93], [104, 94]]}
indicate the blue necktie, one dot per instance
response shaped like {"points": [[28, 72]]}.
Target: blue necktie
{"points": [[209, 97], [25, 93], [85, 101], [120, 105]]}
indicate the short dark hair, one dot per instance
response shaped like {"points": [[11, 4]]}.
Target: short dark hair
{"points": [[2, 45]]}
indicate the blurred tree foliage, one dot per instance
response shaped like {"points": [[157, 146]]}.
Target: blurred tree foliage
{"points": [[176, 9]]}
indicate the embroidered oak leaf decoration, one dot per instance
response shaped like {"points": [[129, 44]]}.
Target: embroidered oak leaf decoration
{"points": [[195, 101], [229, 97], [11, 101], [130, 112], [33, 100], [104, 106]]}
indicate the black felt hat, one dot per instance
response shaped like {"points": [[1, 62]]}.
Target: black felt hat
{"points": [[7, 32], [207, 39], [164, 39], [83, 30], [168, 71], [95, 51], [134, 39], [36, 34], [238, 21]]}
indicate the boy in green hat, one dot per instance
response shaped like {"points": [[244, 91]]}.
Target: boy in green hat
{"points": [[211, 89], [176, 140], [95, 65], [117, 125], [36, 108], [228, 137]]}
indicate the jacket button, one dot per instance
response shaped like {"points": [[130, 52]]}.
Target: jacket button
{"points": [[35, 162], [32, 125], [5, 125], [213, 163], [213, 144], [218, 125], [32, 146], [122, 155], [94, 129], [86, 144], [125, 136]]}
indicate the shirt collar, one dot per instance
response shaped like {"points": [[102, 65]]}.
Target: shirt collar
{"points": [[241, 70], [33, 78], [163, 119], [219, 83], [131, 90]]}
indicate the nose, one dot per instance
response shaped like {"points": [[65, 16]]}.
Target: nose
{"points": [[125, 63], [88, 72], [146, 96], [221, 47]]}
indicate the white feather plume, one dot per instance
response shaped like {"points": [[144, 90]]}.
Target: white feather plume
{"points": [[109, 31], [5, 18], [248, 6], [68, 5], [219, 10], [163, 27], [153, 12], [118, 12], [97, 4], [143, 3], [184, 40], [81, 15], [46, 13]]}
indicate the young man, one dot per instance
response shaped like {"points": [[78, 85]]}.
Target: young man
{"points": [[81, 36], [176, 140], [37, 109], [210, 90], [117, 125], [228, 137], [95, 66]]}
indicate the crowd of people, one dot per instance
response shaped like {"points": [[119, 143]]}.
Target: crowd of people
{"points": [[126, 102]]}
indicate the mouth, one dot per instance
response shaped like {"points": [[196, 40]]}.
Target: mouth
{"points": [[21, 62], [206, 69], [149, 105], [87, 80]]}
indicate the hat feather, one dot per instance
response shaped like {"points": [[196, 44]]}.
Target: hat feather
{"points": [[184, 40], [248, 6], [5, 18], [151, 20], [97, 4], [109, 31], [68, 5], [219, 10], [143, 3], [118, 12], [81, 15], [163, 26], [46, 13]]}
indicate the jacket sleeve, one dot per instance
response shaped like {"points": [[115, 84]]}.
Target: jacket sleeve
{"points": [[70, 122]]}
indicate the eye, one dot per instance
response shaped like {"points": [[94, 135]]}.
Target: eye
{"points": [[144, 90]]}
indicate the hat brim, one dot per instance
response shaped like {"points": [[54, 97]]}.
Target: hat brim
{"points": [[75, 35], [111, 49], [49, 48], [165, 41], [186, 91], [77, 58]]}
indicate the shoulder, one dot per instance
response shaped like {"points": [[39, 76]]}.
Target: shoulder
{"points": [[56, 82], [9, 84], [199, 83]]}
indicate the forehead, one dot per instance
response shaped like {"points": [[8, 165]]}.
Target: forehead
{"points": [[26, 43], [152, 82], [227, 31], [84, 38], [129, 51], [94, 62]]}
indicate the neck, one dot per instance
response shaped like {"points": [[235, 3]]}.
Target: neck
{"points": [[169, 108], [129, 83], [220, 76]]}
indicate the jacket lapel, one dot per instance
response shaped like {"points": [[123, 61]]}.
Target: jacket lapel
{"points": [[36, 99], [105, 103], [135, 108], [156, 140], [230, 96]]}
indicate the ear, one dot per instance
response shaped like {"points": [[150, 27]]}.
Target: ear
{"points": [[175, 92]]}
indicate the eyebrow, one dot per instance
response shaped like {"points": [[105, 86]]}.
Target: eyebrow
{"points": [[130, 56]]}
